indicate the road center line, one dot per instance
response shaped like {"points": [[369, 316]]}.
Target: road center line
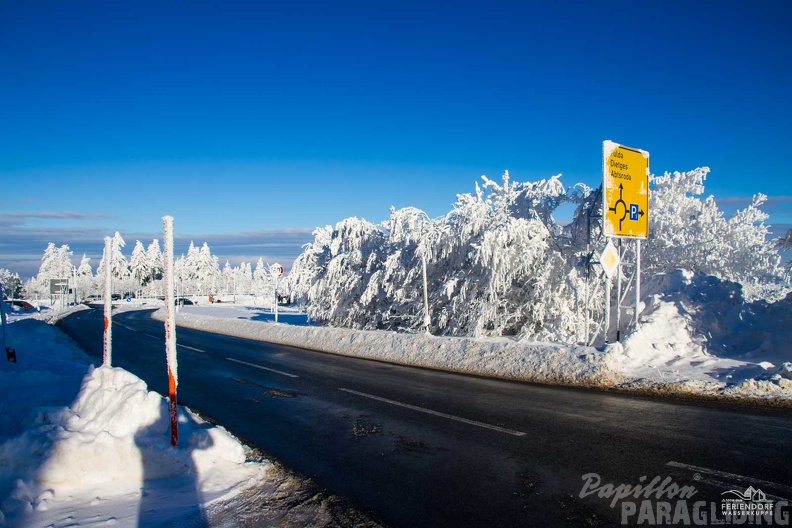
{"points": [[152, 336], [263, 368], [435, 413], [190, 348], [722, 474]]}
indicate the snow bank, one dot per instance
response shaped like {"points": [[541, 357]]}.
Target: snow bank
{"points": [[101, 455], [697, 334], [502, 358]]}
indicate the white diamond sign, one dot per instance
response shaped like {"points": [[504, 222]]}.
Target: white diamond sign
{"points": [[610, 259]]}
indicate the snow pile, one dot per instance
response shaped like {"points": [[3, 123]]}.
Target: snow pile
{"points": [[494, 357], [698, 334], [104, 455]]}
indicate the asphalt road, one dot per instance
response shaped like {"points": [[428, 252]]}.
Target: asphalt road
{"points": [[416, 447]]}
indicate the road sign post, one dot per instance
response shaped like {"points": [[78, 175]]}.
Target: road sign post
{"points": [[276, 270], [610, 261], [625, 206]]}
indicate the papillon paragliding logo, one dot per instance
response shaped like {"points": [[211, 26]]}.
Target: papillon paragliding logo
{"points": [[751, 502]]}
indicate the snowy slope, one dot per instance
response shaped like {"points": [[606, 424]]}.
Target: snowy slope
{"points": [[697, 331]]}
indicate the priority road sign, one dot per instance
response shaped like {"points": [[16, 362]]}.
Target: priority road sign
{"points": [[625, 181], [610, 259]]}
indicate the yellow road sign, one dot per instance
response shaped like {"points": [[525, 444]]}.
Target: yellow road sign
{"points": [[625, 178]]}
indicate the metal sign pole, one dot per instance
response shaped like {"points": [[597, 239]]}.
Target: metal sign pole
{"points": [[619, 293], [637, 279], [607, 307]]}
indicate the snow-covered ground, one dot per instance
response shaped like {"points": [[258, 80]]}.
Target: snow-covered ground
{"points": [[90, 446], [696, 336]]}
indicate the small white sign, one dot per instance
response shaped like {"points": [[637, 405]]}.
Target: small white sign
{"points": [[276, 270], [610, 259]]}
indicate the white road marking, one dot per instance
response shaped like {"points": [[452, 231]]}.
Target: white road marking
{"points": [[435, 413], [722, 474], [263, 368], [190, 348], [152, 336], [726, 486]]}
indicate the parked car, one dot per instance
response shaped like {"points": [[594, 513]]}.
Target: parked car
{"points": [[20, 306], [183, 301]]}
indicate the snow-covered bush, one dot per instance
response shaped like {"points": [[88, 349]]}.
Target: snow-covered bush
{"points": [[500, 264], [689, 232], [493, 267]]}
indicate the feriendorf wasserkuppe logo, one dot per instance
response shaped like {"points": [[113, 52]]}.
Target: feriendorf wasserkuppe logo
{"points": [[749, 503], [662, 502]]}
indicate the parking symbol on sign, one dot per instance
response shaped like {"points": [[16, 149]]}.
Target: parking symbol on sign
{"points": [[633, 211]]}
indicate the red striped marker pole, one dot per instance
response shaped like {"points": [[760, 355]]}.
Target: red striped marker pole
{"points": [[170, 327], [108, 304]]}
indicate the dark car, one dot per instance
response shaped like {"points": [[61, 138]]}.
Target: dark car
{"points": [[183, 301], [20, 306]]}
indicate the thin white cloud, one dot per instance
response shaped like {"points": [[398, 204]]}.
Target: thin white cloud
{"points": [[21, 218]]}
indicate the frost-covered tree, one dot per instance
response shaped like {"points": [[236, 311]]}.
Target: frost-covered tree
{"points": [[119, 267], [55, 264], [12, 285], [262, 282], [155, 260], [500, 264], [229, 281], [85, 282], [690, 232], [207, 269], [139, 264]]}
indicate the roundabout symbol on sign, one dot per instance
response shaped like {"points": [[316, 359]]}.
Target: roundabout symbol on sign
{"points": [[634, 210]]}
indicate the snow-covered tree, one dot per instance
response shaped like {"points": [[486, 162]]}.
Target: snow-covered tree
{"points": [[139, 264], [12, 285], [55, 264], [229, 279], [500, 264], [244, 279], [207, 269], [85, 280], [686, 231], [155, 260]]}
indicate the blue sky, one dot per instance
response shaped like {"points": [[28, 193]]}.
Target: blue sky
{"points": [[251, 123]]}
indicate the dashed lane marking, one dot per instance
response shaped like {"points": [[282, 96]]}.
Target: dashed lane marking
{"points": [[263, 368], [435, 413]]}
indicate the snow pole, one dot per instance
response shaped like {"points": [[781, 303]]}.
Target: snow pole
{"points": [[108, 304], [170, 327]]}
